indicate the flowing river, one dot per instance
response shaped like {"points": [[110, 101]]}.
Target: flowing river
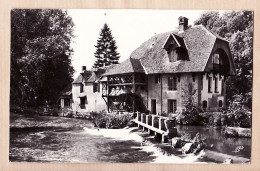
{"points": [[57, 139]]}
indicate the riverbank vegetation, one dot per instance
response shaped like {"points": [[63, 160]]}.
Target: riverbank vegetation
{"points": [[114, 121], [235, 115]]}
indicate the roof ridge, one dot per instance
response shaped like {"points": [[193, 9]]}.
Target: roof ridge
{"points": [[213, 33], [132, 63]]}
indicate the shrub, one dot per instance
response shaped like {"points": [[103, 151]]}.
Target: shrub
{"points": [[238, 115], [67, 112], [190, 116], [214, 118], [103, 120]]}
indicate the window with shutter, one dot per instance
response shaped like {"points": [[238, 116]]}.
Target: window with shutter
{"points": [[216, 85], [157, 79], [209, 84], [82, 101], [169, 83], [81, 88], [172, 83], [94, 87], [172, 106]]}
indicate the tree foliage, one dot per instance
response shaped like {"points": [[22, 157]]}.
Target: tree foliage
{"points": [[40, 55], [237, 28], [106, 53]]}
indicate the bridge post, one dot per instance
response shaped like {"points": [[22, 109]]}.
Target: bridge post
{"points": [[171, 128], [138, 117], [152, 132], [143, 120], [152, 120], [147, 122], [160, 123]]}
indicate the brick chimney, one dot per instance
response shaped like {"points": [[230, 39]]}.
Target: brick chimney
{"points": [[183, 23], [83, 69]]}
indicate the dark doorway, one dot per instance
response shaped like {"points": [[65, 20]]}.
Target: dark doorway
{"points": [[153, 106]]}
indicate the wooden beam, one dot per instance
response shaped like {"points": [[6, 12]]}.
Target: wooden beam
{"points": [[107, 93], [151, 128], [133, 90], [122, 84], [161, 94]]}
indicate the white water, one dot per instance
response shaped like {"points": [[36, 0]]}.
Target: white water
{"points": [[126, 135]]}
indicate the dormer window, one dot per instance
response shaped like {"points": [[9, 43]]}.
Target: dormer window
{"points": [[172, 53], [176, 48]]}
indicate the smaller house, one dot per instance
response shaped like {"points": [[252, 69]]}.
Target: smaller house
{"points": [[86, 92]]}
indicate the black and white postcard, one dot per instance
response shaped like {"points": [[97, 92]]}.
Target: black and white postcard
{"points": [[131, 86]]}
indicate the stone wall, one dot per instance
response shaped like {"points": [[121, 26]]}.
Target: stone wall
{"points": [[160, 92]]}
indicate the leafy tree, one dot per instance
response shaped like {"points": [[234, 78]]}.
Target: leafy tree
{"points": [[237, 28], [106, 52], [40, 55]]}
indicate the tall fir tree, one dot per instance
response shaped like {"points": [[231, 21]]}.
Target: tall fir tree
{"points": [[106, 53]]}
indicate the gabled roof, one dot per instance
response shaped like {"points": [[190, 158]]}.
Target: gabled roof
{"points": [[130, 65], [179, 40], [82, 77], [197, 40], [90, 75], [92, 78]]}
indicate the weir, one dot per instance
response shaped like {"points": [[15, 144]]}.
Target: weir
{"points": [[155, 124]]}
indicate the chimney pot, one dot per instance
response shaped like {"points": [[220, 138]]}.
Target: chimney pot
{"points": [[83, 68], [183, 23]]}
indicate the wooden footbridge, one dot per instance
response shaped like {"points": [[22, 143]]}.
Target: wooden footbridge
{"points": [[157, 125]]}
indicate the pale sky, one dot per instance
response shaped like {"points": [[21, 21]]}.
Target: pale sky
{"points": [[130, 28]]}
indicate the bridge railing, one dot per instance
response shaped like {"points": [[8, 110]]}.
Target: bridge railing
{"points": [[156, 124]]}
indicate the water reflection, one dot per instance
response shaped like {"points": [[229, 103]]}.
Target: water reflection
{"points": [[218, 142]]}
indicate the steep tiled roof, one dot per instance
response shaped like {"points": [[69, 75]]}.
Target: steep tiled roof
{"points": [[130, 65], [199, 43], [92, 78], [90, 75], [151, 58], [82, 77]]}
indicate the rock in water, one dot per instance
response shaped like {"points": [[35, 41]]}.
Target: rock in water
{"points": [[201, 154], [187, 148], [228, 161], [198, 148], [176, 142]]}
